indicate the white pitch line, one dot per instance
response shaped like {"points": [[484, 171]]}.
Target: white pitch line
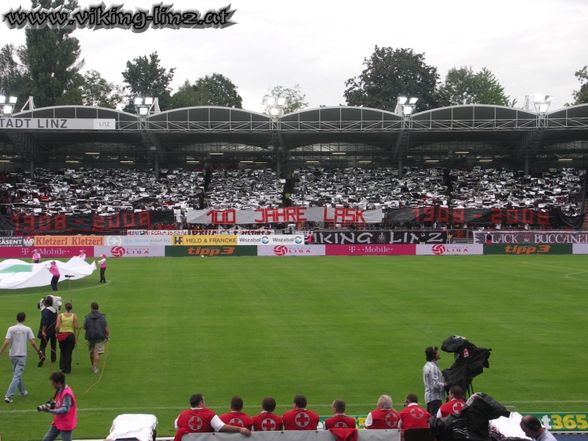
{"points": [[178, 408]]}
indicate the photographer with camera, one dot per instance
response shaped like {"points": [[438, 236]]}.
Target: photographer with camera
{"points": [[63, 407], [17, 337]]}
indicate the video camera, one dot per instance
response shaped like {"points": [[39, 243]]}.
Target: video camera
{"points": [[57, 302], [49, 405]]}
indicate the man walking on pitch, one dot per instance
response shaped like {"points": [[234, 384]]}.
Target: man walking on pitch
{"points": [[47, 332], [96, 334], [433, 380], [102, 264], [17, 337]]}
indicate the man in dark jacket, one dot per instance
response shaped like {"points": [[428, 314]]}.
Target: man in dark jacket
{"points": [[46, 332], [96, 334]]}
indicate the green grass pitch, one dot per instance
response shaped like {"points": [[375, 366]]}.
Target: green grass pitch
{"points": [[328, 327]]}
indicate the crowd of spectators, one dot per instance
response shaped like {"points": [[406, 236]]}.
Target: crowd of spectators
{"points": [[499, 188], [369, 188], [98, 191], [244, 189], [106, 191]]}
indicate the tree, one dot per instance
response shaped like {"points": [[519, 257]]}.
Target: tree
{"points": [[217, 90], [145, 77], [581, 95], [210, 90], [464, 86], [291, 99], [13, 74], [51, 57], [390, 73], [97, 91]]}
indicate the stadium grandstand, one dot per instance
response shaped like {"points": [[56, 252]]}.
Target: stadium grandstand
{"points": [[76, 160]]}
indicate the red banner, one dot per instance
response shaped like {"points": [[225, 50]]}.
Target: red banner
{"points": [[371, 250]]}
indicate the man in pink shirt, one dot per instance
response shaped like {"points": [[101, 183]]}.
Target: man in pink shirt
{"points": [[102, 263], [54, 270]]}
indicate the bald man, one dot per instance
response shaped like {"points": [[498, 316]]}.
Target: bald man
{"points": [[535, 430]]}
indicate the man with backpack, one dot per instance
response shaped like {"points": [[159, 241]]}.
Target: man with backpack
{"points": [[96, 334]]}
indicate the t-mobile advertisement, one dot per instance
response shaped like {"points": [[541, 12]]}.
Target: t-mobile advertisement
{"points": [[46, 252], [371, 250]]}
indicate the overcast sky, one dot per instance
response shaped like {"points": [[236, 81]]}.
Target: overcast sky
{"points": [[531, 45]]}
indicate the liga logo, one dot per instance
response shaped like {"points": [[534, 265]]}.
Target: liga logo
{"points": [[118, 251], [438, 250], [280, 250]]}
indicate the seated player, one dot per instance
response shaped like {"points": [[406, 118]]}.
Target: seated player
{"points": [[339, 419], [199, 419], [384, 416], [300, 418], [267, 420], [413, 416], [455, 404], [236, 417]]}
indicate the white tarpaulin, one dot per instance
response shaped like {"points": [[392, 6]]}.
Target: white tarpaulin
{"points": [[133, 426], [17, 274]]}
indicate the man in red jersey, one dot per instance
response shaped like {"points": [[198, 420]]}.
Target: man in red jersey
{"points": [[383, 417], [199, 419], [236, 417], [267, 420], [413, 416], [339, 419], [455, 404], [300, 418]]}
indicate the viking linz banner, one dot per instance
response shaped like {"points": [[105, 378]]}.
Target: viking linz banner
{"points": [[38, 225], [287, 215], [377, 237]]}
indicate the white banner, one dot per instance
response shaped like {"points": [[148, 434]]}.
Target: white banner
{"points": [[450, 250], [538, 236], [130, 251], [287, 215], [580, 248], [141, 241], [291, 250], [275, 239], [157, 232], [57, 123]]}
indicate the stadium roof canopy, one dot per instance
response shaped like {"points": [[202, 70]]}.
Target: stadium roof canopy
{"points": [[511, 129]]}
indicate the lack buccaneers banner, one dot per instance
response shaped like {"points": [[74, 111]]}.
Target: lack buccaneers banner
{"points": [[287, 215], [531, 236], [489, 216], [58, 224]]}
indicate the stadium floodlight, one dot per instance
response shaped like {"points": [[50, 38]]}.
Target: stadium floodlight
{"points": [[405, 105], [7, 104], [281, 101], [541, 102], [145, 105], [143, 111], [138, 101], [148, 101], [274, 111]]}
